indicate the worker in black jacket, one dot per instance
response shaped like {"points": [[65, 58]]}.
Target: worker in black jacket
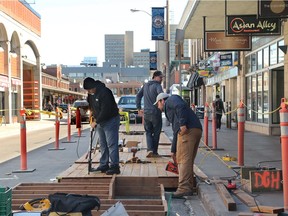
{"points": [[106, 116]]}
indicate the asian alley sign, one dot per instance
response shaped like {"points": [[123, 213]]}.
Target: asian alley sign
{"points": [[251, 25]]}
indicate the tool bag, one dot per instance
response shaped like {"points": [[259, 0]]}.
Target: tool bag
{"points": [[63, 204]]}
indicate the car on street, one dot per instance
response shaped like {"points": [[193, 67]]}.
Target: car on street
{"points": [[63, 107], [83, 105], [127, 103], [200, 112]]}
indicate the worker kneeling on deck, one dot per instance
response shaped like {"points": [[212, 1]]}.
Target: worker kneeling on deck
{"points": [[187, 132], [105, 112]]}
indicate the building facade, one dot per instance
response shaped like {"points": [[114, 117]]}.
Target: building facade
{"points": [[255, 77]]}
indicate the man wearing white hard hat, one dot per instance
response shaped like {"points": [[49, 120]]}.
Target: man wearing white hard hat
{"points": [[187, 132]]}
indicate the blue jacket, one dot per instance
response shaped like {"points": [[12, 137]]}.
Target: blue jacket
{"points": [[150, 91], [179, 114]]}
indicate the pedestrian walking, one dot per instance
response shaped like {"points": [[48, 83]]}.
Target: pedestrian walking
{"points": [[106, 117], [152, 115], [187, 132], [219, 108]]}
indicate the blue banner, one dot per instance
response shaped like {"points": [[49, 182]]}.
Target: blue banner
{"points": [[153, 60], [158, 23]]}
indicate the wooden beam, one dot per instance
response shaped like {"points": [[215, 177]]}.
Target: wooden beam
{"points": [[226, 197], [245, 197], [267, 209]]}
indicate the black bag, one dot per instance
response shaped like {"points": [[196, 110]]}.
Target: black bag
{"points": [[69, 203]]}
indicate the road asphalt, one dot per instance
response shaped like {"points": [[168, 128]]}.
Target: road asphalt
{"points": [[44, 165]]}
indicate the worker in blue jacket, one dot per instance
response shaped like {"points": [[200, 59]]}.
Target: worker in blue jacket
{"points": [[187, 132]]}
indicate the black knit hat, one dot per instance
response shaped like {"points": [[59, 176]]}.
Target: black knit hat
{"points": [[89, 83], [157, 73]]}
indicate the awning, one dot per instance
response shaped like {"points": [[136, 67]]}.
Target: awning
{"points": [[195, 81], [214, 11]]}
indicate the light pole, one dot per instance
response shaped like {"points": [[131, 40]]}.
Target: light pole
{"points": [[167, 47], [167, 69]]}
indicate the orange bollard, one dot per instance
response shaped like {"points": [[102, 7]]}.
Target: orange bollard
{"points": [[23, 139], [78, 121], [284, 148], [241, 121], [214, 126], [68, 126], [57, 129], [23, 144], [206, 110]]}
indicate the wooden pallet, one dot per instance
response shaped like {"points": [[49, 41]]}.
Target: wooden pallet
{"points": [[139, 196]]}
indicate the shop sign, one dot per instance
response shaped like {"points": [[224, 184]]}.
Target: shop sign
{"points": [[4, 82], [218, 41], [232, 72], [250, 25], [226, 60], [273, 8]]}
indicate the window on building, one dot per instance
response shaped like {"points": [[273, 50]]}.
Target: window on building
{"points": [[273, 54], [259, 98], [248, 60], [266, 57], [14, 104], [265, 96], [277, 80], [259, 60], [253, 97], [2, 104], [253, 62], [281, 53], [248, 98]]}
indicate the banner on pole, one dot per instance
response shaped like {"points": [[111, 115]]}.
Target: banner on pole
{"points": [[153, 60], [158, 23]]}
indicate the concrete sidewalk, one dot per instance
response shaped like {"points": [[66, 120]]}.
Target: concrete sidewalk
{"points": [[259, 150]]}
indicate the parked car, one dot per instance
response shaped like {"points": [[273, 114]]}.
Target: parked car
{"points": [[84, 111], [127, 103], [63, 107]]}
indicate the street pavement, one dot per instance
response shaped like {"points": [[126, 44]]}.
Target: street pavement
{"points": [[44, 165]]}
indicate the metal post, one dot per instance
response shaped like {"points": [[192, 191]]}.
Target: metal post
{"points": [[167, 68]]}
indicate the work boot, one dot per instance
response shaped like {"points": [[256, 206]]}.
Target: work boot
{"points": [[101, 169], [179, 194], [149, 154], [113, 170]]}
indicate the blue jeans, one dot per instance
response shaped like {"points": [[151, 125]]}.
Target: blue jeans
{"points": [[109, 139], [153, 127]]}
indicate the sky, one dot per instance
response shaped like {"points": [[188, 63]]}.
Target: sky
{"points": [[74, 29]]}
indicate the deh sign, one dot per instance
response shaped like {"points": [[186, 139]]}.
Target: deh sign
{"points": [[250, 25]]}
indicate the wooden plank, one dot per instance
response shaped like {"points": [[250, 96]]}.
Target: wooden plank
{"points": [[267, 209], [226, 197], [245, 198]]}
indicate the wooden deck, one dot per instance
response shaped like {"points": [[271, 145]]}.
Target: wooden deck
{"points": [[140, 186]]}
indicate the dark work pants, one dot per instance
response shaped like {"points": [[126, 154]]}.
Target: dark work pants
{"points": [[218, 121]]}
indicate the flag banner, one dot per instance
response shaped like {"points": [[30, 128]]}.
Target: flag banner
{"points": [[158, 23], [153, 60]]}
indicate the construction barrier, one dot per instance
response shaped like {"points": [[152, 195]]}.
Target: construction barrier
{"points": [[241, 128], [23, 144], [214, 127], [57, 130], [284, 147], [206, 114]]}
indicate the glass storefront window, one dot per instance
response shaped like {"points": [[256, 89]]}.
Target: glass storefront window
{"points": [[248, 97], [2, 103], [253, 98], [253, 62], [280, 52], [14, 104], [259, 60], [248, 64], [259, 98], [265, 96], [266, 57], [273, 54]]}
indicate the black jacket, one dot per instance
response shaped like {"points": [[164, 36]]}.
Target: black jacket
{"points": [[102, 103]]}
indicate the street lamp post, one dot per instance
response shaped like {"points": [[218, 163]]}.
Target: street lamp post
{"points": [[167, 68]]}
